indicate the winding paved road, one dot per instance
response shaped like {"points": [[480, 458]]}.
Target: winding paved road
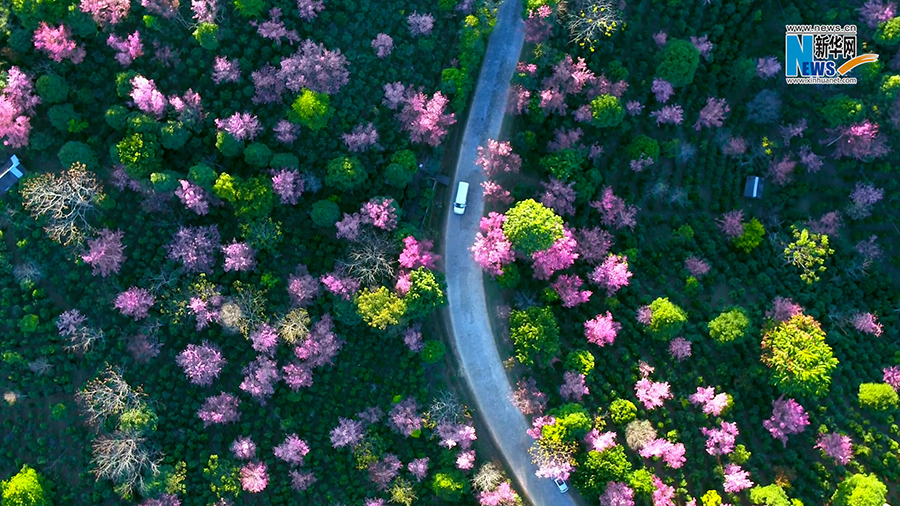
{"points": [[469, 321]]}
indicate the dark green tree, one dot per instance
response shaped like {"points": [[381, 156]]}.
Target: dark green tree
{"points": [[257, 155], [52, 88], [596, 469], [426, 292], [207, 34], [74, 151], [678, 62], [140, 154], [345, 173]]}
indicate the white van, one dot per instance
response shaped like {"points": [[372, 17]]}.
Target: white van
{"points": [[462, 193]]}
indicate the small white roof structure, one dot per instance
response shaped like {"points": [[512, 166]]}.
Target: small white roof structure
{"points": [[10, 173], [753, 189]]}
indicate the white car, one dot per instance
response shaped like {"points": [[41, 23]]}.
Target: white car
{"points": [[561, 485], [462, 194]]}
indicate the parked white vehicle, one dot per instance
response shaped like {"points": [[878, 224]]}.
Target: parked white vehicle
{"points": [[462, 194], [561, 485]]}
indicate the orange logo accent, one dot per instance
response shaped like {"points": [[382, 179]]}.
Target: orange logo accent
{"points": [[855, 62]]}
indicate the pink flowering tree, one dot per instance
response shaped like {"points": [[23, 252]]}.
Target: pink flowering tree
{"points": [[875, 12], [239, 256], [498, 158], [195, 247], [829, 224], [219, 409], [307, 10], [568, 287], [264, 339], [528, 398], [662, 90], [260, 377], [768, 67], [696, 266], [192, 196], [612, 274], [703, 45], [420, 24], [788, 417], [383, 471], [297, 376], [891, 376], [17, 102], [862, 198], [781, 171], [425, 119], [671, 453], [663, 495], [736, 479], [240, 125], [127, 49], [617, 494], [614, 211], [254, 477], [561, 255], [713, 114], [652, 393], [492, 191], [361, 138], [288, 185], [859, 141], [601, 330], [417, 253], [57, 43], [836, 446], [679, 348], [383, 45], [147, 97], [340, 285], [292, 450], [243, 448], [303, 288], [783, 309], [106, 12], [668, 115], [404, 418], [492, 250], [347, 433], [202, 364], [302, 480], [225, 70], [105, 253], [810, 160], [134, 302], [732, 223], [713, 404], [720, 441], [867, 323], [559, 196], [315, 68], [274, 28]]}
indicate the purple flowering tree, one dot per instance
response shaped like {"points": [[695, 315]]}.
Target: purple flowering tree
{"points": [[528, 398], [127, 49], [254, 477], [425, 119], [264, 339], [57, 43], [307, 10], [559, 196], [720, 441], [617, 494], [891, 376], [713, 114], [404, 418], [713, 403], [652, 393], [498, 158], [292, 450], [315, 68], [288, 184], [134, 302], [662, 90], [195, 247], [736, 479], [239, 256], [601, 330], [383, 45], [418, 468], [783, 309], [836, 446], [788, 417], [859, 141], [106, 12], [260, 377], [347, 433], [492, 250], [225, 70], [768, 67], [569, 290], [732, 223], [192, 196], [303, 287], [668, 115], [361, 138], [679, 348], [867, 323], [241, 125], [202, 364], [243, 448], [703, 45], [420, 24], [862, 198], [612, 274], [105, 252], [614, 211], [875, 12], [573, 387], [219, 409]]}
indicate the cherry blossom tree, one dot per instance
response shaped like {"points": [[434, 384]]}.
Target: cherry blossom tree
{"points": [[617, 494], [292, 450], [662, 90], [492, 250], [134, 302], [340, 285], [465, 461], [264, 339], [417, 253], [612, 274], [17, 102], [862, 198], [349, 227], [892, 376], [836, 446], [382, 472], [361, 138], [192, 196], [260, 377], [418, 468], [869, 250], [425, 119], [146, 97], [322, 344], [420, 24], [713, 114], [601, 330], [713, 404], [828, 224], [593, 244], [240, 125], [679, 348], [302, 287], [696, 266], [269, 88], [219, 409], [736, 479], [127, 49], [239, 256], [600, 442], [315, 68], [225, 70], [518, 100], [297, 376], [859, 141], [668, 115], [783, 309], [254, 477], [380, 212], [671, 453], [243, 448], [195, 247], [274, 28], [288, 184], [528, 398], [561, 255], [347, 433], [768, 67], [383, 45], [537, 28], [202, 364], [810, 160], [559, 196], [652, 393], [663, 495], [57, 43], [660, 38], [614, 211], [875, 12], [492, 191], [307, 10], [404, 418], [732, 223], [498, 158], [569, 290], [734, 147], [703, 45], [788, 417], [300, 480], [781, 170], [867, 323], [633, 107], [105, 252], [720, 441], [106, 12]]}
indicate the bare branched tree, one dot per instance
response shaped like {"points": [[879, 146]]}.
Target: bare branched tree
{"points": [[371, 260], [82, 339], [65, 199], [446, 408], [638, 433], [591, 20], [27, 272], [244, 311], [108, 395], [294, 326], [488, 477], [40, 366], [125, 458]]}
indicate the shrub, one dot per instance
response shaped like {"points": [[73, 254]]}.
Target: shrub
{"points": [[622, 411], [325, 213], [580, 361], [878, 396], [607, 111], [678, 62], [433, 352], [729, 326]]}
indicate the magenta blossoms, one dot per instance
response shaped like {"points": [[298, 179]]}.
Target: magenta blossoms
{"points": [[105, 253], [736, 479], [720, 441], [867, 323], [239, 257], [498, 158], [127, 49], [788, 417], [713, 404], [492, 250], [57, 43], [602, 330], [560, 255], [134, 302], [254, 477], [680, 348], [891, 376], [241, 126], [225, 70], [192, 196], [836, 446], [243, 448], [106, 12], [425, 119], [146, 97], [220, 409], [260, 377], [417, 253], [652, 393], [783, 309], [292, 450], [612, 274], [671, 453], [202, 364], [617, 494]]}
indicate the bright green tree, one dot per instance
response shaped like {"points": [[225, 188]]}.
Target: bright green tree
{"points": [[889, 32], [607, 111], [729, 326], [532, 227], [580, 361], [751, 237], [450, 486], [207, 34], [24, 489], [800, 360], [878, 397], [667, 319], [380, 308], [860, 490], [140, 154], [311, 109], [770, 495], [596, 469], [808, 252], [622, 411], [678, 62], [535, 334], [249, 8], [345, 173], [572, 423], [426, 292]]}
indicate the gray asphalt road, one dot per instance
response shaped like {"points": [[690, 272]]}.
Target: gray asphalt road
{"points": [[470, 327]]}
